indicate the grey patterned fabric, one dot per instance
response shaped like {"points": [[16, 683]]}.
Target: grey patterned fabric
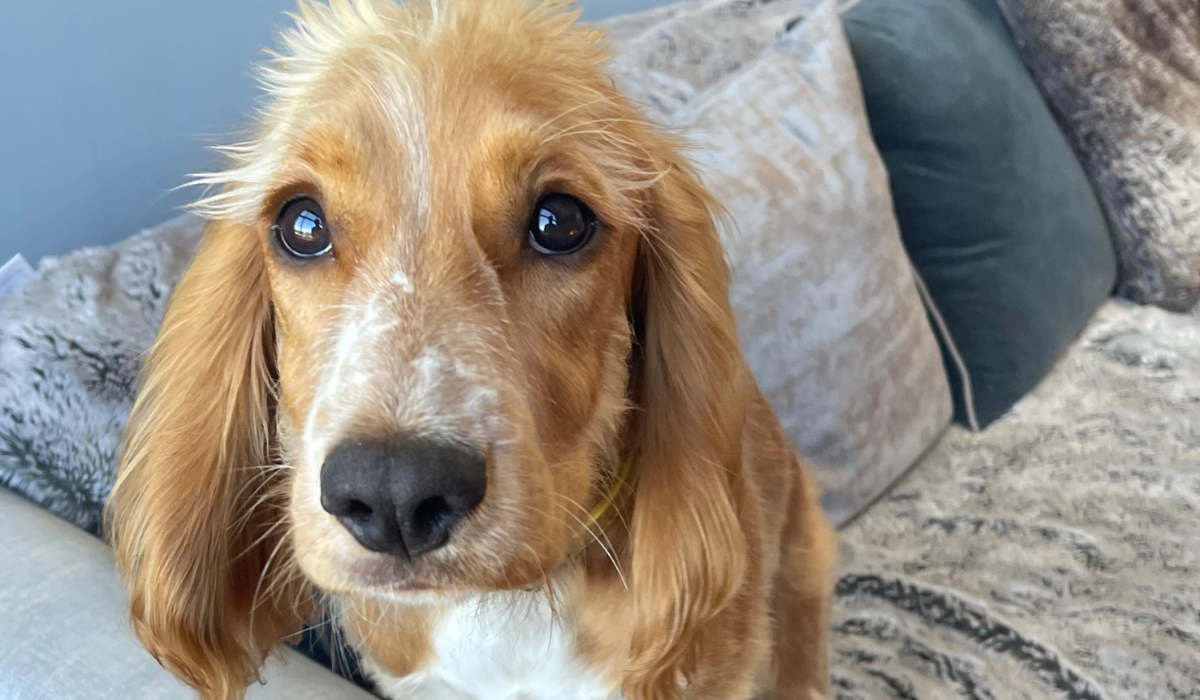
{"points": [[1053, 556], [1124, 77], [71, 343], [828, 311]]}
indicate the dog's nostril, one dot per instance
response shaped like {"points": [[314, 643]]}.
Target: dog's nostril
{"points": [[432, 514], [357, 510]]}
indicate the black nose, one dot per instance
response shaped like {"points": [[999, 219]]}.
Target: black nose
{"points": [[403, 495]]}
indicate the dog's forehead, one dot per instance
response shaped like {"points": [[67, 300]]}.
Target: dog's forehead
{"points": [[413, 79], [399, 123], [406, 86]]}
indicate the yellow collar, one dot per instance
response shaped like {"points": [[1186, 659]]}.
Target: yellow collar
{"points": [[601, 515]]}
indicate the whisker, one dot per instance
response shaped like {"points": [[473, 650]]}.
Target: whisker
{"points": [[308, 628], [261, 538], [286, 576], [264, 501], [261, 576], [607, 548], [269, 480]]}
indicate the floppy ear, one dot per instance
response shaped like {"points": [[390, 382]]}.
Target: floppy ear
{"points": [[191, 516], [688, 549]]}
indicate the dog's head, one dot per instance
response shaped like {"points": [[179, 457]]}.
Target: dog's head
{"points": [[453, 284]]}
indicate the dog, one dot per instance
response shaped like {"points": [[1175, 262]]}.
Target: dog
{"points": [[455, 364]]}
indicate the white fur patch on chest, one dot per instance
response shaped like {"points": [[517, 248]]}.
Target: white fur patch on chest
{"points": [[502, 647]]}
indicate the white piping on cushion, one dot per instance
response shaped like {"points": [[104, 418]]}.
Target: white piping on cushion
{"points": [[963, 374]]}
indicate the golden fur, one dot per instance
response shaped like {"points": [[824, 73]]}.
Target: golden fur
{"points": [[428, 130]]}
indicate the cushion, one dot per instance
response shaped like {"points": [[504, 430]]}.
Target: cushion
{"points": [[623, 28], [1051, 557], [1124, 77], [995, 210], [71, 342], [668, 55], [66, 632], [829, 315]]}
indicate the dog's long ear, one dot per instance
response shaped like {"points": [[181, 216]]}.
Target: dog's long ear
{"points": [[192, 513], [688, 550]]}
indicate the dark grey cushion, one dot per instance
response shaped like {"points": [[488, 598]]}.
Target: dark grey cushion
{"points": [[993, 206]]}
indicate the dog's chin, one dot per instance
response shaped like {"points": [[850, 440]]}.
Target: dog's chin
{"points": [[444, 578], [418, 594], [411, 596]]}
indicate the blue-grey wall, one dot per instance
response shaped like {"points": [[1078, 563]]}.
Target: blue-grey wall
{"points": [[106, 106]]}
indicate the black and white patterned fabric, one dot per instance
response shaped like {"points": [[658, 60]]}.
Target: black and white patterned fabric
{"points": [[1057, 554]]}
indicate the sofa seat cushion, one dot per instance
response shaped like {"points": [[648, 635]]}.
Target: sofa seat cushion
{"points": [[1051, 556], [65, 633]]}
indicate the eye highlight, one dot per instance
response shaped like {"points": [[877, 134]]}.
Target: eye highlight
{"points": [[301, 230], [561, 225]]}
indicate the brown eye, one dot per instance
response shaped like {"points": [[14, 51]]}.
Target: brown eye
{"points": [[301, 229], [561, 224]]}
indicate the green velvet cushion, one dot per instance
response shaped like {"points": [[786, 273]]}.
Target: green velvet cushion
{"points": [[994, 208]]}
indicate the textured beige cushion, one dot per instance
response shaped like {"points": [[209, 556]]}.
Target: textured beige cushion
{"points": [[668, 55], [830, 318]]}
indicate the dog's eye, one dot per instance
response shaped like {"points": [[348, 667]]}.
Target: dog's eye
{"points": [[301, 229], [561, 224]]}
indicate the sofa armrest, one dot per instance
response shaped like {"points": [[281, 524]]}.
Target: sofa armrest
{"points": [[63, 632]]}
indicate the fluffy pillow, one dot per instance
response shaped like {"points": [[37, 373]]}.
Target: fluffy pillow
{"points": [[1124, 77], [995, 210], [829, 314], [71, 343]]}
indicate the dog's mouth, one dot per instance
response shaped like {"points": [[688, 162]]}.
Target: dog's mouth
{"points": [[414, 584], [479, 556]]}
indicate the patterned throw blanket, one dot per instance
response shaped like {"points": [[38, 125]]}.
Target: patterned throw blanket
{"points": [[1054, 556]]}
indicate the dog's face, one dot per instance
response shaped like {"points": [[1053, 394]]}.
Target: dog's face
{"points": [[450, 247], [452, 283]]}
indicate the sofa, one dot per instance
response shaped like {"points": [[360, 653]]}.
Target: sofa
{"points": [[969, 296]]}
